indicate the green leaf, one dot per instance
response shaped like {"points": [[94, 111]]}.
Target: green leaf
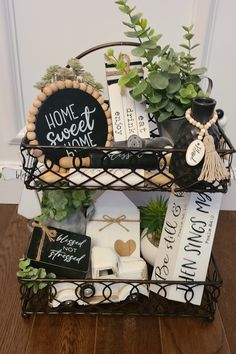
{"points": [[158, 81], [121, 66], [143, 23], [199, 71], [130, 25], [42, 285], [24, 263], [155, 98], [164, 64], [135, 19], [156, 37], [170, 107], [194, 46], [35, 287], [131, 34], [110, 52], [188, 36], [149, 44], [135, 97], [173, 69], [121, 2], [42, 273], [138, 52], [179, 111], [185, 46], [164, 116], [125, 9], [140, 88], [152, 108], [123, 80], [185, 101], [174, 84]]}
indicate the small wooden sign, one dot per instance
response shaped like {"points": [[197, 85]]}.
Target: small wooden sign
{"points": [[68, 114]]}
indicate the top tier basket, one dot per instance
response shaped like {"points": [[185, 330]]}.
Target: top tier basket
{"points": [[41, 175]]}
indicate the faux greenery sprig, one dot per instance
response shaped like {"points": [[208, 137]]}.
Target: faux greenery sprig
{"points": [[73, 71], [32, 274], [60, 204], [152, 216], [172, 81]]}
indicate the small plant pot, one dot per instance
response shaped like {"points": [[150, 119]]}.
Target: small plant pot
{"points": [[148, 249]]}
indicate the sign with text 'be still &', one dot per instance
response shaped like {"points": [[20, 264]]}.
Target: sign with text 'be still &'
{"points": [[186, 244]]}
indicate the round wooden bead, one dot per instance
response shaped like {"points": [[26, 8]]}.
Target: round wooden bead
{"points": [[110, 129], [68, 83], [108, 144], [105, 106], [36, 152], [108, 114], [37, 103], [41, 158], [42, 96], [51, 166], [96, 94], [34, 142], [109, 137], [30, 127], [31, 135], [54, 87], [61, 85], [100, 100], [47, 90], [76, 84], [31, 119], [62, 170], [109, 121], [83, 86], [89, 89], [33, 110]]}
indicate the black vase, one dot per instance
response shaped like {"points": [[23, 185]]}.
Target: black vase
{"points": [[186, 176]]}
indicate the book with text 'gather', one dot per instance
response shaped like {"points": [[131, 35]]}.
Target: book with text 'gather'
{"points": [[186, 258]]}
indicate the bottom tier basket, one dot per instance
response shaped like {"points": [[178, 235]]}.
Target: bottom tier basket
{"points": [[45, 301]]}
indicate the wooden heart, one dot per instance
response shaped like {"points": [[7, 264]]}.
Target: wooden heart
{"points": [[125, 248]]}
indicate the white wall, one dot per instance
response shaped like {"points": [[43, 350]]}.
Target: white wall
{"points": [[36, 34]]}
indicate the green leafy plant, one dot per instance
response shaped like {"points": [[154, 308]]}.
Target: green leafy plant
{"points": [[73, 71], [152, 217], [60, 204], [172, 79], [32, 274]]}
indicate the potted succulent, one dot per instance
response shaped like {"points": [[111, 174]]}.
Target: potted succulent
{"points": [[171, 79], [65, 209], [152, 217]]}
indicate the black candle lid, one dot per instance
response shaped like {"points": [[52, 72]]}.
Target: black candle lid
{"points": [[202, 108]]}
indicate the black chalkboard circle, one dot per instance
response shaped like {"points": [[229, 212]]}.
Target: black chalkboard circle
{"points": [[71, 114]]}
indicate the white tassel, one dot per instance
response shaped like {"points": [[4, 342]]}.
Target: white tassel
{"points": [[213, 168]]}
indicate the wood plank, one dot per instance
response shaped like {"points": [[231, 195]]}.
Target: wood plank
{"points": [[225, 250], [188, 335], [56, 334], [127, 335], [14, 330]]}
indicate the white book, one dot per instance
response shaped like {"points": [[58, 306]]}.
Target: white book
{"points": [[142, 120], [129, 114], [117, 113]]}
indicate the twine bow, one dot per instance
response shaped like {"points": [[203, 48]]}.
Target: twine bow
{"points": [[51, 234], [110, 220]]}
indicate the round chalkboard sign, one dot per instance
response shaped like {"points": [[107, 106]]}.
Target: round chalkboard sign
{"points": [[69, 114]]}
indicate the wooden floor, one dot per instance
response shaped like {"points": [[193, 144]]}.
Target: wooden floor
{"points": [[70, 334]]}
